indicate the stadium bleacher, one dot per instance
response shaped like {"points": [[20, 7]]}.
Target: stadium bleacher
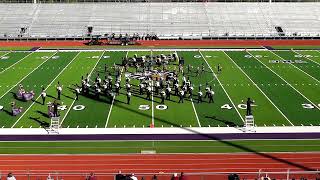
{"points": [[164, 19]]}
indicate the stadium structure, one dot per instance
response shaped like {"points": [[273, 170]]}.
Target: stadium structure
{"points": [[214, 89]]}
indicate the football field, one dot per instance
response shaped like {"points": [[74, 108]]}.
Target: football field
{"points": [[284, 84]]}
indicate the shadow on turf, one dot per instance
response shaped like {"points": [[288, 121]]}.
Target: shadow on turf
{"points": [[229, 143], [43, 124], [226, 122]]}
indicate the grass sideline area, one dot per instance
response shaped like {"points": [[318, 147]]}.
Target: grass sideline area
{"points": [[125, 147], [283, 84], [16, 48], [297, 47]]}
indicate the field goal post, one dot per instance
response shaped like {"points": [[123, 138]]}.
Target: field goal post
{"points": [[55, 125], [249, 124]]}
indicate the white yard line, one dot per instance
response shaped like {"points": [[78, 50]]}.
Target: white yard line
{"points": [[214, 75], [285, 82], [259, 89], [45, 89], [194, 109], [15, 62], [89, 75], [26, 76], [114, 97], [195, 112], [306, 57], [297, 68]]}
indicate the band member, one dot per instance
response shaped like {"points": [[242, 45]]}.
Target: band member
{"points": [[168, 92], [128, 97], [190, 91], [117, 86], [97, 92], [55, 108], [105, 67], [59, 90], [211, 93], [157, 87], [163, 96], [181, 95], [176, 89], [202, 68], [141, 87], [43, 96], [98, 80], [207, 91], [219, 69], [200, 96], [249, 109], [149, 89], [77, 91]]}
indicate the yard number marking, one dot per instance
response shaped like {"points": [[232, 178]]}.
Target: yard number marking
{"points": [[308, 106], [78, 107], [5, 57], [144, 107]]}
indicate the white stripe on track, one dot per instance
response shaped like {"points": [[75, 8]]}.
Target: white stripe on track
{"points": [[46, 88], [214, 75], [285, 81], [259, 89]]}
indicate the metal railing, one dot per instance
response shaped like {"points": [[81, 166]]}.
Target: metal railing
{"points": [[83, 174], [134, 1]]}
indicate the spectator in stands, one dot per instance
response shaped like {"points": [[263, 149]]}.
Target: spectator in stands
{"points": [[154, 177], [175, 176], [91, 177], [133, 177], [182, 176], [10, 177], [120, 176]]}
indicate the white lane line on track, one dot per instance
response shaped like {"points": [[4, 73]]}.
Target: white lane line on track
{"points": [[215, 76], [45, 88], [89, 75], [113, 99], [259, 89], [15, 62], [286, 82], [297, 67]]}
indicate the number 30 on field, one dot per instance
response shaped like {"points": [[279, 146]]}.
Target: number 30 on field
{"points": [[309, 106]]}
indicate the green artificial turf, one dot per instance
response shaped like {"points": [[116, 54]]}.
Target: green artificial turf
{"points": [[210, 114], [119, 147], [75, 65], [244, 74], [240, 87], [297, 47], [15, 48], [287, 99]]}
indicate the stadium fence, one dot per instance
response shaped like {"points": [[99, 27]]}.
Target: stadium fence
{"points": [[82, 175]]}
